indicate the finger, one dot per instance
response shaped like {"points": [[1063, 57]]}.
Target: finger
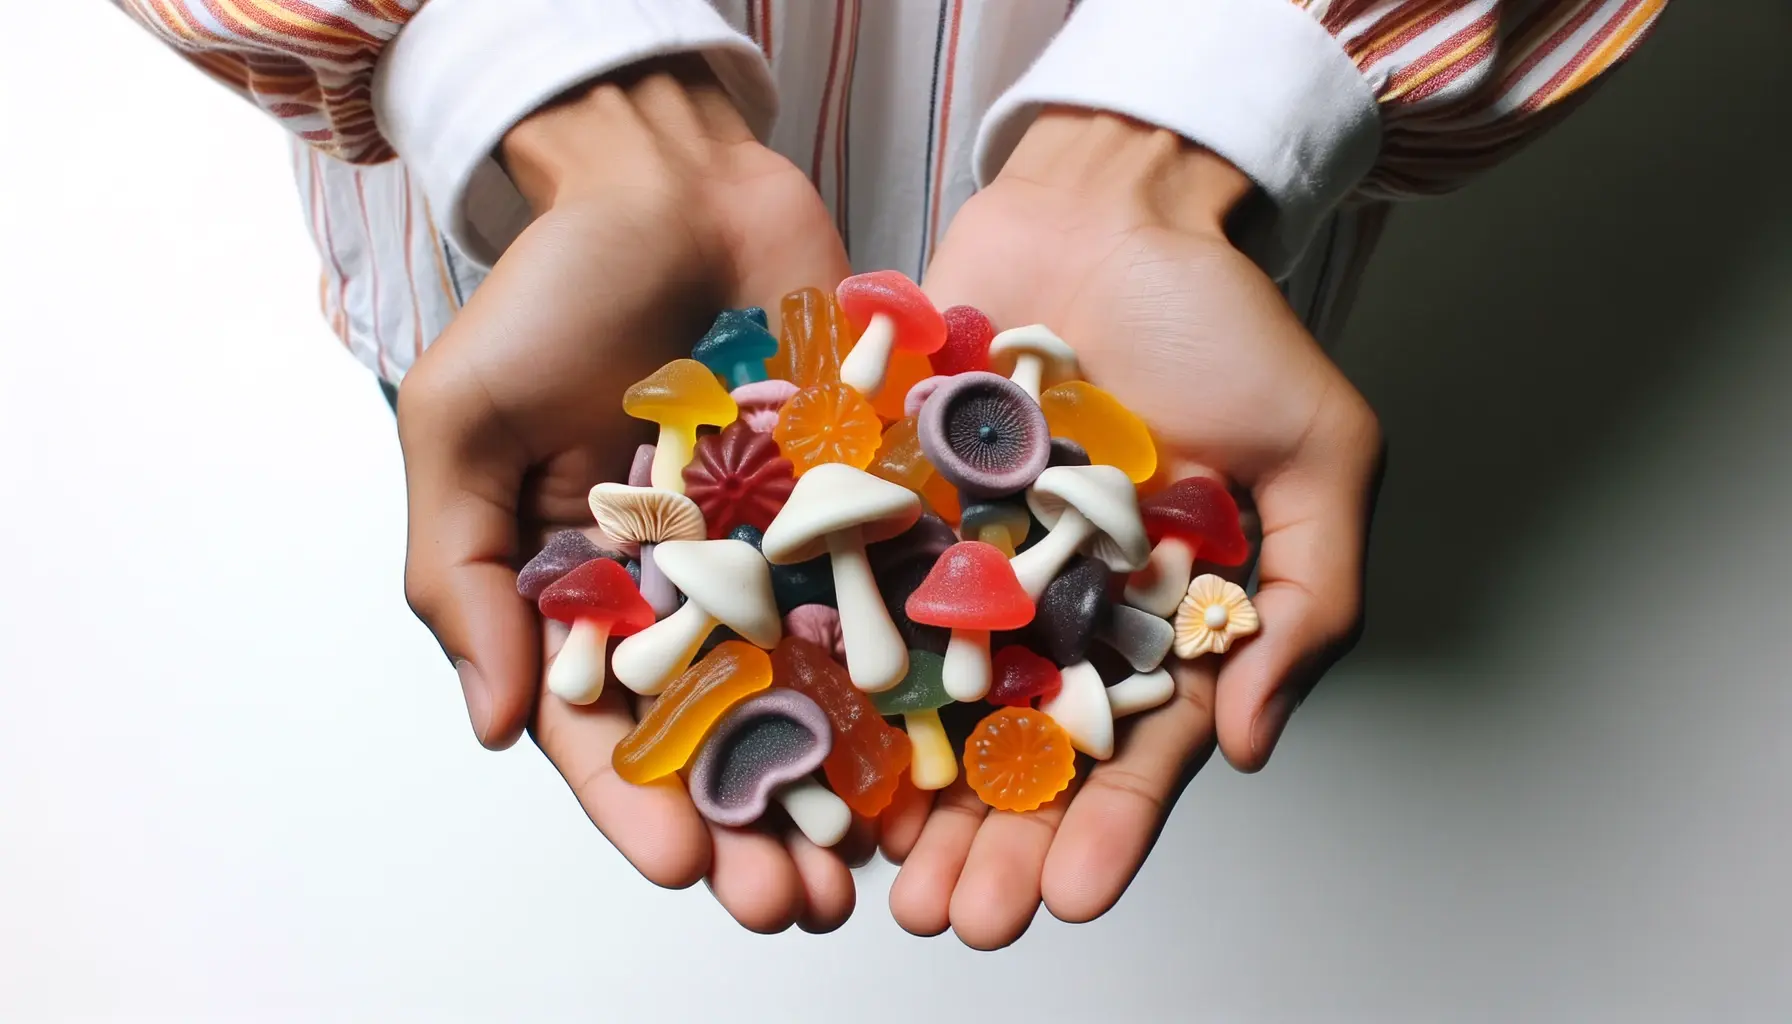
{"points": [[998, 893], [900, 824], [754, 879], [860, 844], [655, 825], [462, 489], [1116, 815], [1309, 598], [921, 897], [828, 892]]}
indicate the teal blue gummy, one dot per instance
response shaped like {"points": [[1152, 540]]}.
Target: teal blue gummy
{"points": [[736, 346]]}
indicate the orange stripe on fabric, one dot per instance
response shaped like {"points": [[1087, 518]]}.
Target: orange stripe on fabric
{"points": [[1622, 38], [939, 155], [410, 278], [373, 275], [1543, 39], [321, 212], [1444, 63]]}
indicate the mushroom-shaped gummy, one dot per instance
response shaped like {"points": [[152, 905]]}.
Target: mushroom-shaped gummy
{"points": [[1193, 518], [1142, 638], [737, 477], [599, 601], [736, 346], [837, 509], [1093, 507], [1081, 707], [679, 396], [1018, 675], [890, 312], [917, 396], [1033, 357], [668, 734], [1141, 691], [564, 552], [1108, 432], [648, 516], [1001, 524], [869, 756], [760, 402], [640, 470], [1215, 613], [766, 747], [968, 333], [725, 583], [819, 624], [1071, 610], [971, 591], [810, 582], [918, 700], [984, 435]]}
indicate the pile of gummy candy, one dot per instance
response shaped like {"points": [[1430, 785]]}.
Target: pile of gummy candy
{"points": [[886, 511]]}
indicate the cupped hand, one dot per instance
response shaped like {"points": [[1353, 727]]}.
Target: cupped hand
{"points": [[655, 209], [1113, 234]]}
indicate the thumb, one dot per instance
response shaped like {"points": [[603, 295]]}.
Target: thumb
{"points": [[462, 481]]}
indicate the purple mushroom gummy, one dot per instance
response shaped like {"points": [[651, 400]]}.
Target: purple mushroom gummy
{"points": [[767, 746], [984, 435], [564, 552]]}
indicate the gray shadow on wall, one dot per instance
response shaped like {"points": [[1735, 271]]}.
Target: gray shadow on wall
{"points": [[1509, 333]]}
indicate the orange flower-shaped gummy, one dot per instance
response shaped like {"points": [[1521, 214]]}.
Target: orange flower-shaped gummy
{"points": [[827, 423], [1018, 758]]}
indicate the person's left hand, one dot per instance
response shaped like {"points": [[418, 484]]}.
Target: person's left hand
{"points": [[1112, 234]]}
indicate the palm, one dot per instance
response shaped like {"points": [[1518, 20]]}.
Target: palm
{"points": [[1193, 337]]}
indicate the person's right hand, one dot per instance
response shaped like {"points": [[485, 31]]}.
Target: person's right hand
{"points": [[655, 209]]}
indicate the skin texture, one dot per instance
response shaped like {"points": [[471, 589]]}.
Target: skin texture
{"points": [[655, 210], [1114, 234]]}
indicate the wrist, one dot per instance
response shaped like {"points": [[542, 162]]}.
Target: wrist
{"points": [[1104, 155], [656, 123]]}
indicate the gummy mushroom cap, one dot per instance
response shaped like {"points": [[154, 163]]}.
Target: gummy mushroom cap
{"points": [[683, 391], [972, 586], [919, 327], [984, 434], [727, 579], [917, 396], [1201, 512], [1104, 496], [832, 497], [1057, 360], [764, 742], [736, 337], [600, 590], [564, 552], [760, 401], [646, 515], [1070, 611]]}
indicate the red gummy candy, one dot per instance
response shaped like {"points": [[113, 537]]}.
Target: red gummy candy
{"points": [[738, 477], [968, 334], [890, 292], [972, 586], [1017, 675], [1201, 513]]}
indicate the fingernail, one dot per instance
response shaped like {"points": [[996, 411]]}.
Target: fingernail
{"points": [[1270, 723], [478, 697]]}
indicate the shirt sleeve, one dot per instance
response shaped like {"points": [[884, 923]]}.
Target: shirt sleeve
{"points": [[437, 83], [1322, 102]]}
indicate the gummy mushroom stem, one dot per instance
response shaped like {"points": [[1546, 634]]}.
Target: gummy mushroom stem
{"points": [[932, 765], [1141, 691], [1158, 588], [647, 661], [876, 657], [821, 816], [577, 675], [656, 589], [966, 672], [865, 367], [1081, 706], [671, 453], [1036, 566]]}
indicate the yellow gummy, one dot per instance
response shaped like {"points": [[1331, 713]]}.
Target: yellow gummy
{"points": [[1112, 435], [669, 734]]}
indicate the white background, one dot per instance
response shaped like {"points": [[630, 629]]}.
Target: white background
{"points": [[236, 781]]}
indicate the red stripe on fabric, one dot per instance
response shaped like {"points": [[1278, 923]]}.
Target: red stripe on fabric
{"points": [[1439, 10], [827, 93], [1465, 64], [1545, 48], [321, 215], [766, 43], [843, 117], [1540, 98], [1425, 64], [939, 153], [373, 276]]}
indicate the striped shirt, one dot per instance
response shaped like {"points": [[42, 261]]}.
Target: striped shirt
{"points": [[896, 109]]}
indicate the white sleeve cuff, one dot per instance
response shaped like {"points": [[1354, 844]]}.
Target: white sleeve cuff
{"points": [[1259, 82], [463, 72]]}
